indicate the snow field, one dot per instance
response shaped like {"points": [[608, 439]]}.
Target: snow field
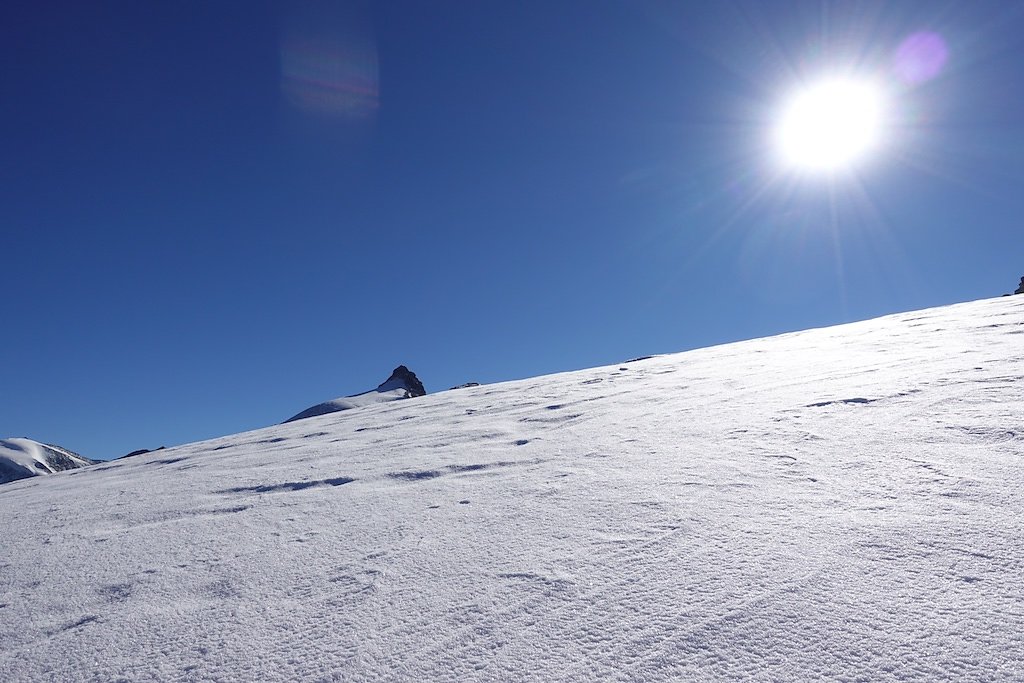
{"points": [[839, 504]]}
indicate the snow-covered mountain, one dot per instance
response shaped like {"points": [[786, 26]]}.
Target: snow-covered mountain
{"points": [[402, 383], [840, 504], [22, 458]]}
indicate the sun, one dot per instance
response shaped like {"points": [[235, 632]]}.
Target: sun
{"points": [[830, 125]]}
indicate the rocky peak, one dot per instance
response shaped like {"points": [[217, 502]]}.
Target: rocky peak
{"points": [[402, 383], [404, 377]]}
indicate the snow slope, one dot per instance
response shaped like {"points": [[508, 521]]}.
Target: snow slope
{"points": [[21, 458], [841, 504], [402, 383]]}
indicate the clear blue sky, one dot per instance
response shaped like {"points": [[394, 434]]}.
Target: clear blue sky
{"points": [[215, 214]]}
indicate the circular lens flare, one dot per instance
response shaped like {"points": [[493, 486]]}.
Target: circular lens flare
{"points": [[830, 125], [920, 57]]}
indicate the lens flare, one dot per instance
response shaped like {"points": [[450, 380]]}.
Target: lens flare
{"points": [[920, 57], [329, 62], [329, 78]]}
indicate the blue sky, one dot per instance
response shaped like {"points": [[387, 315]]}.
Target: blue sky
{"points": [[215, 214]]}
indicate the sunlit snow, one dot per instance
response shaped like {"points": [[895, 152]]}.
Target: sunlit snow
{"points": [[402, 384], [21, 458], [840, 504]]}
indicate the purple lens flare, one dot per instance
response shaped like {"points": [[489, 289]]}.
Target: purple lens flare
{"points": [[920, 57]]}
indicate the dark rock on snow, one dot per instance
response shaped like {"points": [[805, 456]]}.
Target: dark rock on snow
{"points": [[142, 451], [403, 375]]}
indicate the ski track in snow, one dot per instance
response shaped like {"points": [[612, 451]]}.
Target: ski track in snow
{"points": [[839, 504]]}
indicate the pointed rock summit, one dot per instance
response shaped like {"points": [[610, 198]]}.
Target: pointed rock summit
{"points": [[404, 377], [402, 383], [1020, 290]]}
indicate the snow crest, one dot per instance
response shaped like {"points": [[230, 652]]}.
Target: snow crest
{"points": [[401, 384], [23, 458]]}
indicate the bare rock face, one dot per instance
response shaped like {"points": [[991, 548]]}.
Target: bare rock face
{"points": [[403, 376], [1020, 289]]}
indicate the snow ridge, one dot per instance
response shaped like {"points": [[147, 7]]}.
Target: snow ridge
{"points": [[21, 458], [401, 384]]}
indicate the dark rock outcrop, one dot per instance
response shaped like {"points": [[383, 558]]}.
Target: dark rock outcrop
{"points": [[404, 376], [141, 451], [1020, 289], [465, 386]]}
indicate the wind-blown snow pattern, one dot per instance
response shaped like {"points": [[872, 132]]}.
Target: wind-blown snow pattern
{"points": [[841, 504], [22, 458]]}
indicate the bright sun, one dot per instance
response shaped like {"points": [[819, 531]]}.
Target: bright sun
{"points": [[830, 125]]}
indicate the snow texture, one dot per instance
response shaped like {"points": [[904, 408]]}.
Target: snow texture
{"points": [[22, 458], [840, 504]]}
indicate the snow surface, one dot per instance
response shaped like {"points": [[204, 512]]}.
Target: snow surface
{"points": [[21, 458], [349, 402], [840, 504], [392, 389]]}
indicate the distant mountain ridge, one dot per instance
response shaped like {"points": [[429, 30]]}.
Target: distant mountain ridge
{"points": [[402, 384], [23, 458]]}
